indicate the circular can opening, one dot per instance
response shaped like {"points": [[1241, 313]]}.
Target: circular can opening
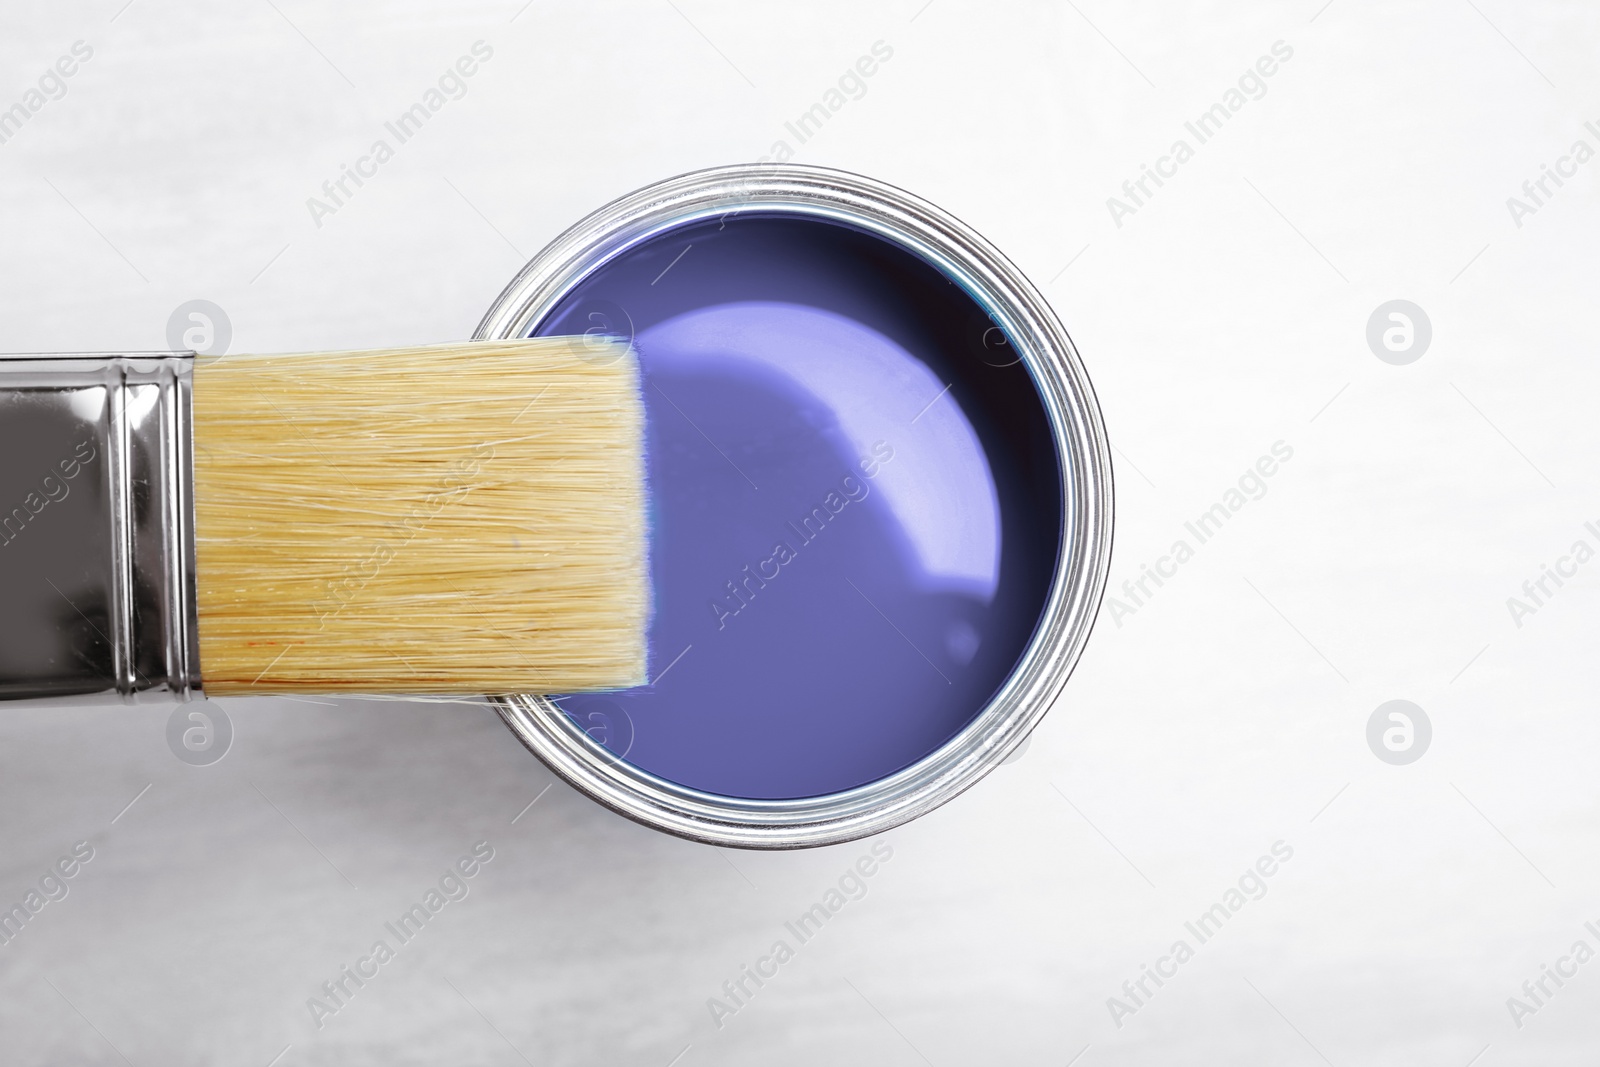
{"points": [[881, 504]]}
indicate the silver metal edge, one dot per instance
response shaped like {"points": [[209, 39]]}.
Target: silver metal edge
{"points": [[177, 460], [120, 462], [1078, 581]]}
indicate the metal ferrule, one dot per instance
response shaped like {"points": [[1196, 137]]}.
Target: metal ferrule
{"points": [[97, 527]]}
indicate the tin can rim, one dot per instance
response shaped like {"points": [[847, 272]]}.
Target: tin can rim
{"points": [[1078, 578]]}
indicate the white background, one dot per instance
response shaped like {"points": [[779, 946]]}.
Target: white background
{"points": [[1226, 714]]}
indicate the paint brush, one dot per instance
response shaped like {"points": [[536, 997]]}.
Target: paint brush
{"points": [[451, 519]]}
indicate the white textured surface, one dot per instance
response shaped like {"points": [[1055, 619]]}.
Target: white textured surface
{"points": [[1218, 319]]}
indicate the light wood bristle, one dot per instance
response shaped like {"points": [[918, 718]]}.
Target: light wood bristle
{"points": [[464, 518]]}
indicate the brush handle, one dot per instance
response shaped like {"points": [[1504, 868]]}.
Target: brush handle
{"points": [[97, 527]]}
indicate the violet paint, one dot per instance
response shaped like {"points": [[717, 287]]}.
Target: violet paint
{"points": [[856, 504]]}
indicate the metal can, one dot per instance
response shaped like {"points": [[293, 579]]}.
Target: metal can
{"points": [[1020, 328]]}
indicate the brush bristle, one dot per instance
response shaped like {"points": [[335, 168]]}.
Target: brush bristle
{"points": [[463, 518]]}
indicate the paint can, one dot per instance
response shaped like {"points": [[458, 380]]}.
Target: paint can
{"points": [[883, 504]]}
